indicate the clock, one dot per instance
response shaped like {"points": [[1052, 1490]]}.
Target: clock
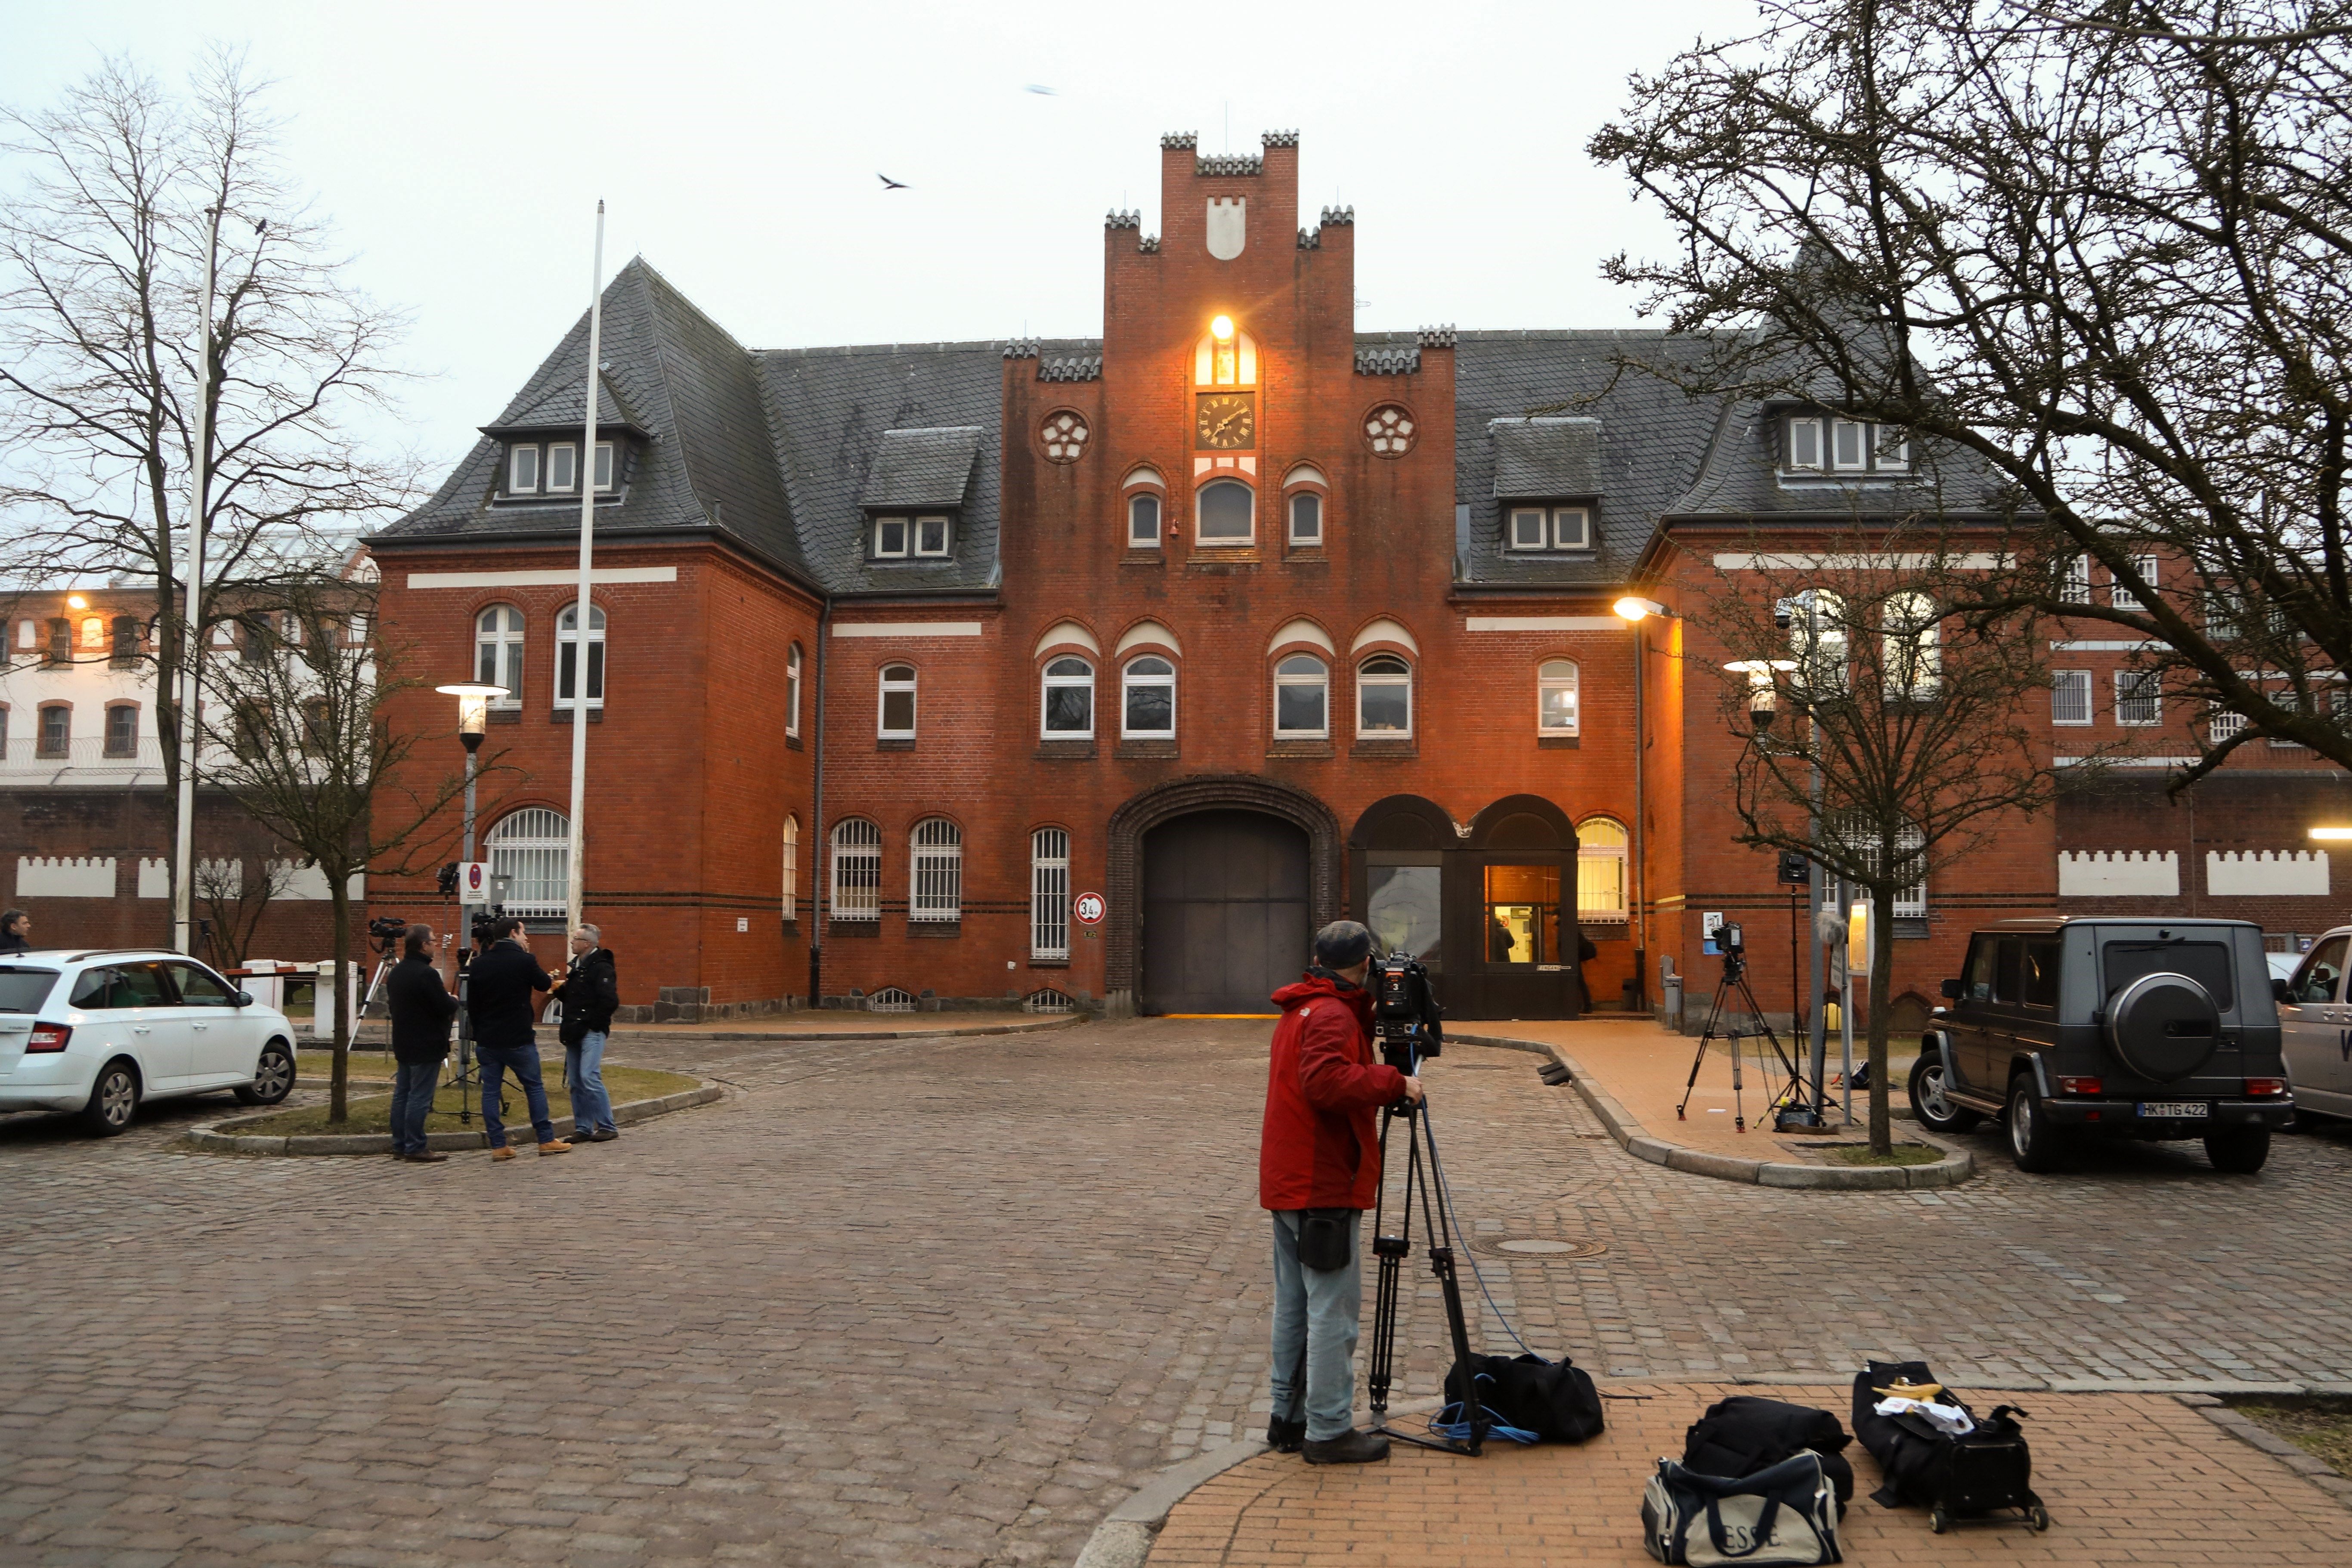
{"points": [[1226, 421]]}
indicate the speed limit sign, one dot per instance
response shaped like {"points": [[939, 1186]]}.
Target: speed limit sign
{"points": [[1088, 908]]}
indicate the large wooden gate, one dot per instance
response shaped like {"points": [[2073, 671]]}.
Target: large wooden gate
{"points": [[1225, 913]]}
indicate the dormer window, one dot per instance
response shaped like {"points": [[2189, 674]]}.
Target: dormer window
{"points": [[1531, 528], [1821, 442], [930, 536], [927, 538], [553, 467], [890, 538], [522, 470]]}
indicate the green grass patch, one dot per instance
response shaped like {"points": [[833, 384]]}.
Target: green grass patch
{"points": [[1901, 1155], [317, 1068], [2320, 1424], [372, 1113]]}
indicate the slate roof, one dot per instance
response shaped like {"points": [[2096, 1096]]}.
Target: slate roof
{"points": [[922, 468], [558, 408], [1546, 457]]}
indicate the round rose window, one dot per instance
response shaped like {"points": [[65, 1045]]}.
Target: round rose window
{"points": [[1390, 430], [1064, 436]]}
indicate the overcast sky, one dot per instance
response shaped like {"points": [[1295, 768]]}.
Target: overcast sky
{"points": [[460, 150]]}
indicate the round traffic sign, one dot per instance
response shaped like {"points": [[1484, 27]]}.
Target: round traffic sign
{"points": [[1088, 908]]}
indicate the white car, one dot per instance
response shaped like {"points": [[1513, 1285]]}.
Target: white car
{"points": [[97, 1033], [2315, 1027]]}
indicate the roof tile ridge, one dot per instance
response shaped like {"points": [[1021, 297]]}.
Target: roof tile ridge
{"points": [[676, 425]]}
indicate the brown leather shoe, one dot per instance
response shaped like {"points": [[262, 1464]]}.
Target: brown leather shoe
{"points": [[503, 1151], [555, 1146]]}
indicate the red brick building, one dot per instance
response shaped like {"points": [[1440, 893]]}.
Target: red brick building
{"points": [[1235, 617]]}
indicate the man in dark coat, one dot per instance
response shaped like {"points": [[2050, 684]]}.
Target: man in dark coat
{"points": [[15, 932], [421, 1010], [499, 987], [1318, 1170], [591, 989]]}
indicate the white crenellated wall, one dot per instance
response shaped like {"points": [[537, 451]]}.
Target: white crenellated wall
{"points": [[2266, 874], [2118, 874], [51, 877]]}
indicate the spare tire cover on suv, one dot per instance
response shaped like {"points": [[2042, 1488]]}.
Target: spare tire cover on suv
{"points": [[2163, 1026]]}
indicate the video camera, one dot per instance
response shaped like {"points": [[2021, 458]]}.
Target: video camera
{"points": [[1730, 941], [480, 934], [1406, 1017], [386, 930]]}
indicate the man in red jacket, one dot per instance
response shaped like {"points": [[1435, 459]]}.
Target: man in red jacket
{"points": [[1319, 1169]]}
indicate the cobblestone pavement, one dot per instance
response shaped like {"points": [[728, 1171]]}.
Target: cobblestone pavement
{"points": [[945, 1302]]}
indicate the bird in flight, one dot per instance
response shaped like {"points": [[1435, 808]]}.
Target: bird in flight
{"points": [[1041, 89], [890, 184]]}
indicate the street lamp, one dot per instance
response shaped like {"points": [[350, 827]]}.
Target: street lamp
{"points": [[473, 722], [1632, 609], [2332, 835]]}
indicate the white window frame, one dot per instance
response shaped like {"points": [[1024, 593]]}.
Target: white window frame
{"points": [[1518, 518], [2122, 598], [1910, 647], [1048, 682], [1819, 637], [1805, 430], [1560, 516], [792, 692], [1890, 448], [792, 867], [1861, 431], [522, 454], [2139, 686], [1614, 852], [2076, 683], [533, 849], [1290, 518], [882, 527], [2224, 723], [856, 852], [2076, 588], [607, 467], [935, 872], [570, 453], [1548, 680], [1320, 679], [884, 687], [506, 640], [1385, 680], [1223, 542], [1136, 539], [931, 529], [1129, 681], [598, 662], [1049, 895]]}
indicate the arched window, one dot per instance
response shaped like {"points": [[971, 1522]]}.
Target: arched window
{"points": [[1226, 510], [895, 717], [1817, 634], [1556, 696], [1384, 697], [792, 867], [792, 692], [856, 870], [1910, 643], [1049, 895], [1306, 518], [1069, 700], [532, 848], [1228, 361], [1301, 699], [1143, 521], [93, 634], [567, 655], [1149, 709], [937, 875], [1600, 880], [498, 652]]}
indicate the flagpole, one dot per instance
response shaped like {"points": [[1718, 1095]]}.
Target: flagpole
{"points": [[583, 608], [192, 651]]}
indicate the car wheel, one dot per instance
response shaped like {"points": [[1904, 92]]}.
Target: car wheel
{"points": [[2240, 1151], [1930, 1103], [113, 1099], [2033, 1143], [273, 1076]]}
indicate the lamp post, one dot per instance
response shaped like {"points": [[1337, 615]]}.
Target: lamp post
{"points": [[473, 722], [1634, 609]]}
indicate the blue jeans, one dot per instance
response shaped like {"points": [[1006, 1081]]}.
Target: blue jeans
{"points": [[1314, 1314], [412, 1097], [523, 1062], [584, 1069]]}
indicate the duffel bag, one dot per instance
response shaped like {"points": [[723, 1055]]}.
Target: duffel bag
{"points": [[1554, 1400], [1745, 1433], [1787, 1514]]}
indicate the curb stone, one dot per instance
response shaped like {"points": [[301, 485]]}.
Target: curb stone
{"points": [[1956, 1165], [222, 1137], [2255, 1436]]}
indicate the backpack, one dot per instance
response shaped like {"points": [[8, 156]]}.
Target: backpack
{"points": [[1744, 1433], [1977, 1472], [1787, 1514], [1554, 1400]]}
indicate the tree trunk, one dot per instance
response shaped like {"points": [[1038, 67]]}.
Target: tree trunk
{"points": [[338, 1095], [1881, 984]]}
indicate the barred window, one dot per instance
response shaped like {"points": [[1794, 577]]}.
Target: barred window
{"points": [[792, 867], [2075, 589], [856, 870], [2138, 698], [937, 872], [2122, 597], [533, 849], [2070, 697], [1600, 846], [1049, 894], [1910, 900]]}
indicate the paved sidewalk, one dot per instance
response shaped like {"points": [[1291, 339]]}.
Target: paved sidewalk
{"points": [[2131, 1479]]}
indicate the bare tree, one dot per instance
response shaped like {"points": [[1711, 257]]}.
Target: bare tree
{"points": [[233, 901], [304, 743], [104, 247], [2106, 248], [1887, 738]]}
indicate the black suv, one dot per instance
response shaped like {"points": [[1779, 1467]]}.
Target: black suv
{"points": [[2102, 1026]]}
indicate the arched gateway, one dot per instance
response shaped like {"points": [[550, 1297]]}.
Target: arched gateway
{"points": [[1216, 885]]}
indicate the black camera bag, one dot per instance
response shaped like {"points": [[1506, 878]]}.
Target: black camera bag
{"points": [[1554, 1400], [1977, 1472], [1744, 1433]]}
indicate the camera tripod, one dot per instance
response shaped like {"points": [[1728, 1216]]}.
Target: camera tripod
{"points": [[1391, 1250], [1796, 1103]]}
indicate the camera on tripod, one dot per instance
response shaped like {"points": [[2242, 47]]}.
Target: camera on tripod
{"points": [[385, 931], [1406, 1018], [481, 933]]}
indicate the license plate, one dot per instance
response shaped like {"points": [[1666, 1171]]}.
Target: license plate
{"points": [[2174, 1108]]}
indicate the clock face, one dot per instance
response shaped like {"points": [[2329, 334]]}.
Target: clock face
{"points": [[1225, 422]]}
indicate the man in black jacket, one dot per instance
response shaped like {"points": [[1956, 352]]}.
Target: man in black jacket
{"points": [[421, 1010], [498, 986], [591, 989], [16, 931]]}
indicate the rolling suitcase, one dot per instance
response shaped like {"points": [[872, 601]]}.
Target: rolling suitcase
{"points": [[1984, 1471]]}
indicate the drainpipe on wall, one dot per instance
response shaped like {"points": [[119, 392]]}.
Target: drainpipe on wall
{"points": [[822, 841], [1641, 837]]}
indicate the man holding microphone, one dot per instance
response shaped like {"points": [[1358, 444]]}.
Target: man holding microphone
{"points": [[1318, 1170]]}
